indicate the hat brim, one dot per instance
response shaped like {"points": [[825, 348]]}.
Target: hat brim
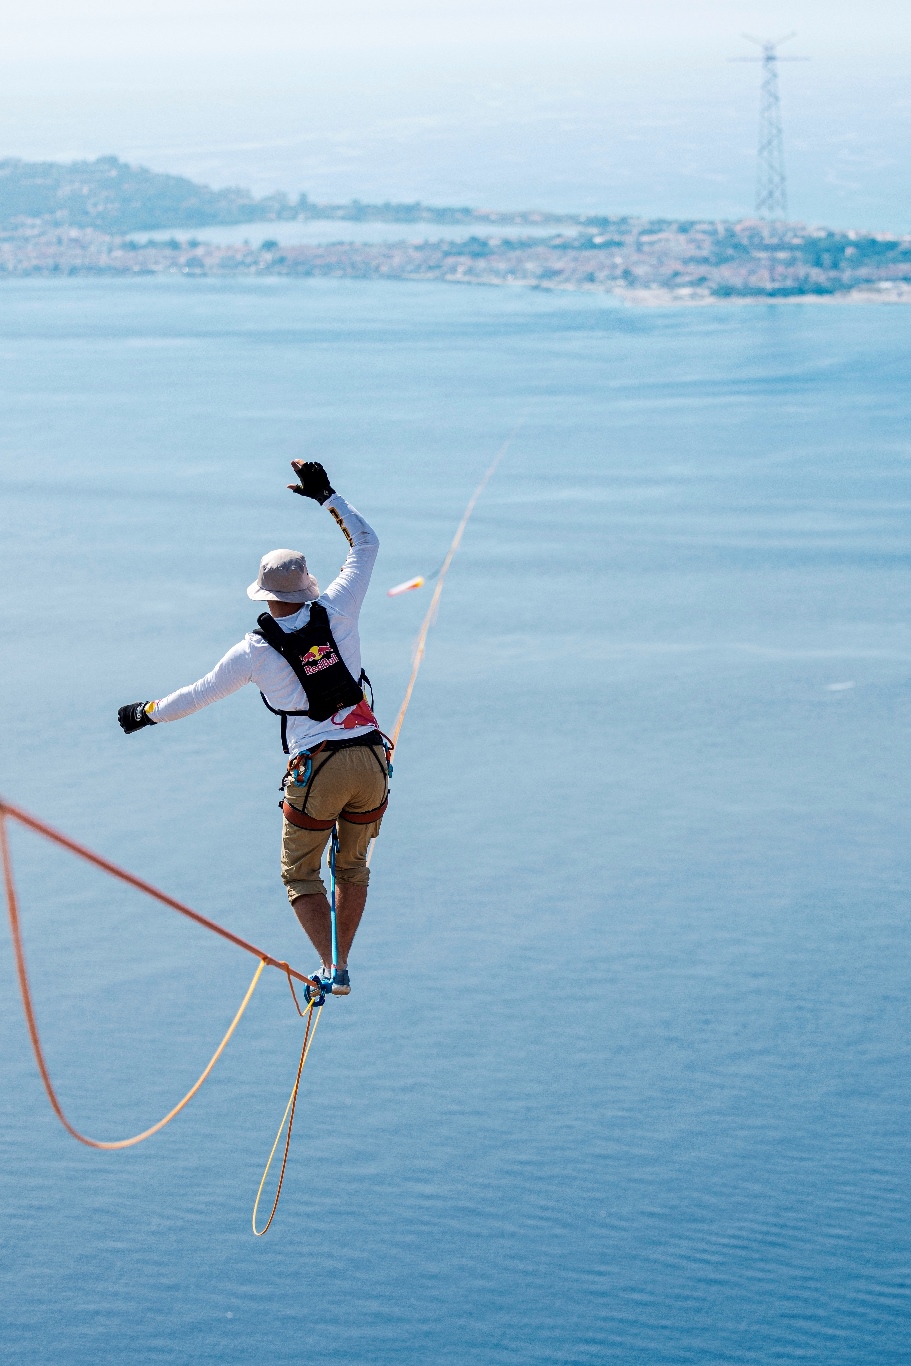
{"points": [[301, 595]]}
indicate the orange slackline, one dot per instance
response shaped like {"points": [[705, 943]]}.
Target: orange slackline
{"points": [[430, 614], [438, 591], [16, 933], [48, 831]]}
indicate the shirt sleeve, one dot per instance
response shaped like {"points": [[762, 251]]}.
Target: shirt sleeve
{"points": [[347, 592], [229, 674]]}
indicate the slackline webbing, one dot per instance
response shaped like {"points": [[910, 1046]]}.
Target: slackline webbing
{"points": [[430, 615]]}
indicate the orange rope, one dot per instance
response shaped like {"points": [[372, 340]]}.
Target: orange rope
{"points": [[438, 591], [290, 1107], [430, 614], [297, 1004], [48, 831], [16, 931]]}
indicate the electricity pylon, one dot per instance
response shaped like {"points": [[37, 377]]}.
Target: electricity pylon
{"points": [[771, 185]]}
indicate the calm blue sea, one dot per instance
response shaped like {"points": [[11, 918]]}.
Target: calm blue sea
{"points": [[624, 1076]]}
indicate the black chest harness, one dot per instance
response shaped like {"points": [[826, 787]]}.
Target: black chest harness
{"points": [[314, 656]]}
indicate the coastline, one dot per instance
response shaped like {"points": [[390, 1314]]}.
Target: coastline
{"points": [[669, 298], [676, 267]]}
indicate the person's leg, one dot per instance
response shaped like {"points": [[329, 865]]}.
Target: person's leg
{"points": [[315, 917], [369, 787], [353, 780], [302, 853], [312, 910], [350, 901]]}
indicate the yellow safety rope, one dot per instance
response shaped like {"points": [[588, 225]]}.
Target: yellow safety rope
{"points": [[309, 1035], [19, 950]]}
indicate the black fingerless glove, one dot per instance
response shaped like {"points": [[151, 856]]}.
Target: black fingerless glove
{"points": [[314, 481], [133, 717]]}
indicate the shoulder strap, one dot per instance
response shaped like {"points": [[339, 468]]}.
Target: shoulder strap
{"points": [[273, 635], [284, 717], [270, 630], [276, 711]]}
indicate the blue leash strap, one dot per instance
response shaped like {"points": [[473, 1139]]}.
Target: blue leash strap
{"points": [[333, 848]]}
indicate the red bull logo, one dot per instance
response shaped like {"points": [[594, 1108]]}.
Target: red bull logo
{"points": [[318, 657], [315, 653]]}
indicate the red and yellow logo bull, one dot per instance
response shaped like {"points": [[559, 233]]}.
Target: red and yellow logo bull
{"points": [[318, 657], [315, 653]]}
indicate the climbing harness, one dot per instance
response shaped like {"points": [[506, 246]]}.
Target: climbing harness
{"points": [[330, 682], [301, 771]]}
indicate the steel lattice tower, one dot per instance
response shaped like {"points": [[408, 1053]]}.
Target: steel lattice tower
{"points": [[771, 184]]}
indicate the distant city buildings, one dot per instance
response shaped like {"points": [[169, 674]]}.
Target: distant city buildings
{"points": [[639, 260]]}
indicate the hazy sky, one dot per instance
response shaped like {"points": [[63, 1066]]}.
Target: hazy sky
{"points": [[630, 107]]}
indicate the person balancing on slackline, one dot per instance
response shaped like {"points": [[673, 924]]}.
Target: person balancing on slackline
{"points": [[305, 658]]}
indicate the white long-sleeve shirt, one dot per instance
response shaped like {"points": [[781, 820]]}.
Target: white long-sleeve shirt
{"points": [[253, 660]]}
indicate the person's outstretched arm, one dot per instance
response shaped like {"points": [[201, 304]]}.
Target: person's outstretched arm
{"points": [[229, 674]]}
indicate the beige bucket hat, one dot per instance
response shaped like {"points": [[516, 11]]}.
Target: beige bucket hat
{"points": [[283, 577]]}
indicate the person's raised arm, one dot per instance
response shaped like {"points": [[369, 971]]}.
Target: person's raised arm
{"points": [[348, 590]]}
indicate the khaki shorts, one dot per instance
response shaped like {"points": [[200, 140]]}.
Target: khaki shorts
{"points": [[352, 779]]}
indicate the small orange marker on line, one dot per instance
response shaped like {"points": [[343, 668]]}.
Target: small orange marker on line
{"points": [[406, 587]]}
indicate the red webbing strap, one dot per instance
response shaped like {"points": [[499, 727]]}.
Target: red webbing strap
{"points": [[364, 817], [305, 822], [302, 820], [56, 837]]}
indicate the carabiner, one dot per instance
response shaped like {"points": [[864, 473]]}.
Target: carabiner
{"points": [[301, 778]]}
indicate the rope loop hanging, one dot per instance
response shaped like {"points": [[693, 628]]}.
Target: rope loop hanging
{"points": [[25, 988], [290, 1109]]}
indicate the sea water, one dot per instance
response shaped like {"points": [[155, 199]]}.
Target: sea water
{"points": [[624, 1074]]}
